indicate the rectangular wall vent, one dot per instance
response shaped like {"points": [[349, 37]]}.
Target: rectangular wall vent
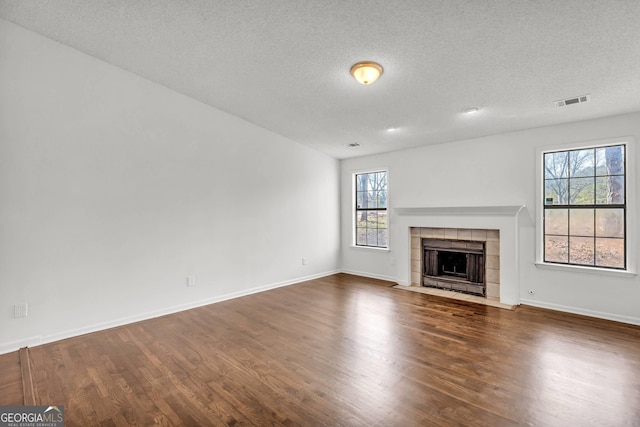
{"points": [[571, 101]]}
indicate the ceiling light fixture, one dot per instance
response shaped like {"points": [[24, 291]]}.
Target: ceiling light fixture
{"points": [[391, 128], [471, 110], [366, 72]]}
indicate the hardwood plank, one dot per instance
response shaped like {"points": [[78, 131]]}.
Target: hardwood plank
{"points": [[344, 351], [11, 391], [28, 390]]}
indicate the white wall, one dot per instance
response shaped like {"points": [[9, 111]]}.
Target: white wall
{"points": [[495, 170], [114, 189]]}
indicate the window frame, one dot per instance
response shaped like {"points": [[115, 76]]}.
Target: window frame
{"points": [[355, 210], [629, 208]]}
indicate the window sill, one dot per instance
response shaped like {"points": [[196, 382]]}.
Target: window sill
{"points": [[371, 248], [587, 270]]}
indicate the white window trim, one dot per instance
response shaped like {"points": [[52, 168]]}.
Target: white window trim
{"points": [[632, 221], [353, 210]]}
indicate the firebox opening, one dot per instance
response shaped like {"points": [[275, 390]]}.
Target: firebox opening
{"points": [[456, 265], [452, 264]]}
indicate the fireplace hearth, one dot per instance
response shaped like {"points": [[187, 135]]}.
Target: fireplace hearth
{"points": [[456, 265]]}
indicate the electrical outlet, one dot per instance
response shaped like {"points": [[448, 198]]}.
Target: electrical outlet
{"points": [[20, 310], [191, 281], [304, 261]]}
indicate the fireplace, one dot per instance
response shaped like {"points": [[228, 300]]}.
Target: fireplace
{"points": [[456, 265], [496, 226], [464, 246]]}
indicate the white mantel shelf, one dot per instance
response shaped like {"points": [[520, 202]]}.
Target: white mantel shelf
{"points": [[462, 210]]}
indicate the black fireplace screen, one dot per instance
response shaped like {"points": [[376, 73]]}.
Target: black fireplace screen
{"points": [[465, 261]]}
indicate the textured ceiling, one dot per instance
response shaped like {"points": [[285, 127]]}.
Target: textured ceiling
{"points": [[284, 64]]}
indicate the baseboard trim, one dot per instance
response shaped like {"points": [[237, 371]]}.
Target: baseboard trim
{"points": [[576, 310], [370, 275], [9, 346], [46, 339]]}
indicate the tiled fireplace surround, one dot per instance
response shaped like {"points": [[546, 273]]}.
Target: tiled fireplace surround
{"points": [[498, 226], [491, 239]]}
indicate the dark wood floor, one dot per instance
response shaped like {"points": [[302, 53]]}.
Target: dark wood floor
{"points": [[342, 350]]}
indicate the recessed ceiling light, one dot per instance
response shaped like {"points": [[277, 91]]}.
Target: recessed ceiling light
{"points": [[391, 128], [471, 110]]}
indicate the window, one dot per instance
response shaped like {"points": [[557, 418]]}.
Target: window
{"points": [[585, 207], [371, 225]]}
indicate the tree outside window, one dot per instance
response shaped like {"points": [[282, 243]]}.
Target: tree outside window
{"points": [[371, 220], [585, 207]]}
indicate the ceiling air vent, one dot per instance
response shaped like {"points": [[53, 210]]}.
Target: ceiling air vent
{"points": [[353, 145], [571, 101]]}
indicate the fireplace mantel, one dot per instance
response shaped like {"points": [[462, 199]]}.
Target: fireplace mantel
{"points": [[504, 218], [461, 210]]}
